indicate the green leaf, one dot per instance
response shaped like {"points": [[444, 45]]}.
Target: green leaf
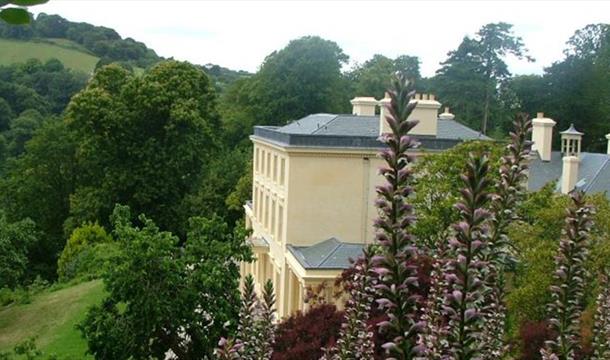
{"points": [[15, 16], [27, 2]]}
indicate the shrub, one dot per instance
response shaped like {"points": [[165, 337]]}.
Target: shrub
{"points": [[79, 252], [302, 335], [533, 335]]}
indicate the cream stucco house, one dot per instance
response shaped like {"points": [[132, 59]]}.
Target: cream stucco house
{"points": [[314, 187], [314, 190]]}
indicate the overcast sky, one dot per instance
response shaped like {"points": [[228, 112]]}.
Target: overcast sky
{"points": [[239, 35]]}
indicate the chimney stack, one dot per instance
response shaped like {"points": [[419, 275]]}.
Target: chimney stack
{"points": [[608, 137], [384, 104], [364, 106], [447, 115], [542, 136], [570, 141], [569, 174], [426, 112]]}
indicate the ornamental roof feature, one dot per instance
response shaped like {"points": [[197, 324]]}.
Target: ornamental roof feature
{"points": [[572, 131]]}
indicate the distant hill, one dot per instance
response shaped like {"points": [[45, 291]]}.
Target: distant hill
{"points": [[222, 76], [99, 42], [71, 54]]}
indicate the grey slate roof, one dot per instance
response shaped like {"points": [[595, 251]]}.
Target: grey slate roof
{"points": [[351, 131], [328, 254], [353, 125], [593, 172]]}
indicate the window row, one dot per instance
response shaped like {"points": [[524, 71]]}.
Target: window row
{"points": [[269, 212], [270, 165]]}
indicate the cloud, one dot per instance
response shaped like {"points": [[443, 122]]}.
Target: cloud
{"points": [[239, 34]]}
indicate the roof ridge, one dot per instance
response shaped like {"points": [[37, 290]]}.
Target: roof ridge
{"points": [[596, 175], [326, 124], [337, 246]]}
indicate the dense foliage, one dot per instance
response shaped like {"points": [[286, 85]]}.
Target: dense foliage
{"points": [[303, 335], [574, 89], [164, 296], [88, 240], [16, 241]]}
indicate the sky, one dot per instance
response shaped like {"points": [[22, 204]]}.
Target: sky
{"points": [[239, 34]]}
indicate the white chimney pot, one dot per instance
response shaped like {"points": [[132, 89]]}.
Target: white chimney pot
{"points": [[542, 136], [569, 174], [364, 106]]}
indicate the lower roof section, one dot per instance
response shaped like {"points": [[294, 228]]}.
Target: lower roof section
{"points": [[326, 255]]}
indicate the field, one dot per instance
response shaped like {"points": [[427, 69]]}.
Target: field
{"points": [[51, 317], [72, 55]]}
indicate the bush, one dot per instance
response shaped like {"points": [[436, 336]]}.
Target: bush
{"points": [[533, 334], [93, 261], [302, 335], [79, 254]]}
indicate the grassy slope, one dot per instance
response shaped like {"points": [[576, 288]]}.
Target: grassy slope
{"points": [[51, 316], [70, 54]]}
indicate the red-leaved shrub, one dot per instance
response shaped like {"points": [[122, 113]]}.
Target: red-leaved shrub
{"points": [[302, 335], [533, 334]]}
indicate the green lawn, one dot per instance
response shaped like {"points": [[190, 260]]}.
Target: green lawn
{"points": [[51, 317], [69, 53]]}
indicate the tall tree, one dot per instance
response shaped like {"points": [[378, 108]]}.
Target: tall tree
{"points": [[483, 57], [37, 185], [371, 78], [303, 78], [143, 141]]}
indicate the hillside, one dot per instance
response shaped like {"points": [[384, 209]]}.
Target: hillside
{"points": [[51, 317], [71, 54]]}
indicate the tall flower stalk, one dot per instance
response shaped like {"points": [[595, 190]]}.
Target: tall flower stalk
{"points": [[397, 277], [466, 284], [246, 332], [434, 337], [601, 327], [265, 324], [570, 275], [510, 190], [256, 328], [356, 337]]}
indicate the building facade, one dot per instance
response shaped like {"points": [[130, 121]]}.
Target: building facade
{"points": [[313, 190]]}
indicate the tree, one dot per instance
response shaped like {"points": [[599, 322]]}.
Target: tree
{"points": [[481, 59], [164, 298], [21, 130], [578, 85], [437, 181], [460, 82], [16, 239], [301, 79], [38, 185], [143, 141], [6, 114], [371, 78]]}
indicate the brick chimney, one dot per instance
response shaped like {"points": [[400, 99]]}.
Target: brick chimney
{"points": [[569, 173], [364, 106], [542, 136], [426, 111]]}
